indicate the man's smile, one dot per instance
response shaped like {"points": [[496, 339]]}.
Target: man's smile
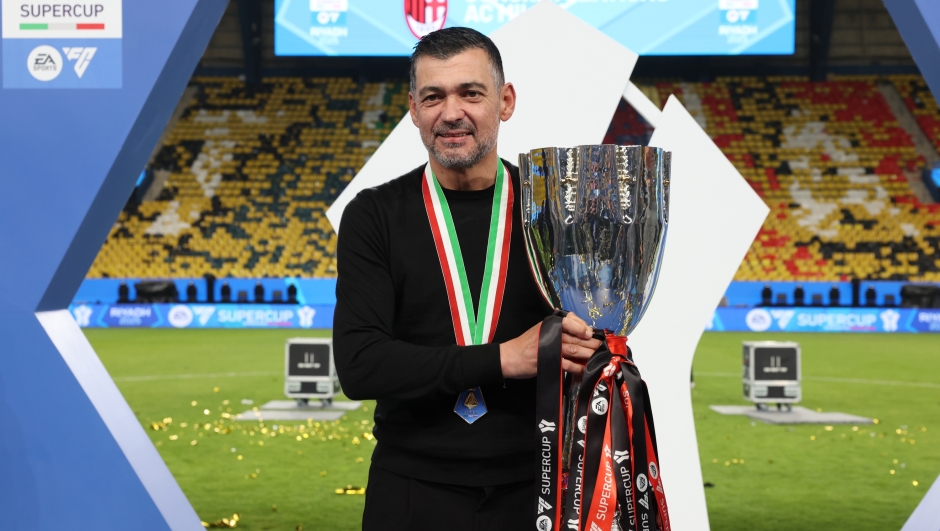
{"points": [[453, 137]]}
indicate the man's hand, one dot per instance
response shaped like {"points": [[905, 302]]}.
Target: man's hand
{"points": [[519, 356]]}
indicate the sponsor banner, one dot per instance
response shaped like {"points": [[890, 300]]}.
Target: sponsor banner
{"points": [[202, 315], [811, 319], [62, 45]]}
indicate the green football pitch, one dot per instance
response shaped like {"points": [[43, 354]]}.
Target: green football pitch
{"points": [[184, 386]]}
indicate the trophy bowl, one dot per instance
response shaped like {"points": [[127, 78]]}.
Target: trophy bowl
{"points": [[595, 219]]}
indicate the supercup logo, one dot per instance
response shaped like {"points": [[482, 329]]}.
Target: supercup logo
{"points": [[582, 424], [654, 472], [425, 16], [543, 523], [641, 482], [599, 405]]}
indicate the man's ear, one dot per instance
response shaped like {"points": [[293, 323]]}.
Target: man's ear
{"points": [[412, 109], [507, 101]]}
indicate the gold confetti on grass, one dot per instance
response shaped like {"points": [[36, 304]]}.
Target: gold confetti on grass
{"points": [[349, 489], [227, 523]]}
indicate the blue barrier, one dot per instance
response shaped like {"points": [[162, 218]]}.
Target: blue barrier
{"points": [[810, 319], [203, 315], [806, 319]]}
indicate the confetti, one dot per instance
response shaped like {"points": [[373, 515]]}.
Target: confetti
{"points": [[915, 483], [349, 489], [229, 523], [215, 389]]}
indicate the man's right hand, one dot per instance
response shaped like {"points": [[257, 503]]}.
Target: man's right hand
{"points": [[519, 357]]}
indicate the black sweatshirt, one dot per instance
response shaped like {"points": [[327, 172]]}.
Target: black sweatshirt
{"points": [[394, 338]]}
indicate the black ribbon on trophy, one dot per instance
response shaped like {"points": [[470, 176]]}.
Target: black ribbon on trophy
{"points": [[595, 221]]}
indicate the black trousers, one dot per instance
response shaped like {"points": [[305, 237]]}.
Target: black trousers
{"points": [[396, 502]]}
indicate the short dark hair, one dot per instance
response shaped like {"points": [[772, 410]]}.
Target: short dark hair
{"points": [[448, 42]]}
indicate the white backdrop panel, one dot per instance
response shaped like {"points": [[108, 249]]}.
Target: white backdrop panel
{"points": [[713, 218], [926, 516]]}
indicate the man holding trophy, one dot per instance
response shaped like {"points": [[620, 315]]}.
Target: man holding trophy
{"points": [[449, 357], [445, 276]]}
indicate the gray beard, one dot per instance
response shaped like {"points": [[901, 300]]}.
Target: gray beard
{"points": [[460, 162]]}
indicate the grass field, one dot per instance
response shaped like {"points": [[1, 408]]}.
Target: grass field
{"points": [[764, 477]]}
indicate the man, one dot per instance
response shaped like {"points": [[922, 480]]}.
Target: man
{"points": [[437, 313]]}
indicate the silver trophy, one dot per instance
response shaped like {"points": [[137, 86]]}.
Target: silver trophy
{"points": [[595, 219]]}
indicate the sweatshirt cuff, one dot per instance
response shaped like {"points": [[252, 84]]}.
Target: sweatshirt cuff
{"points": [[481, 365]]}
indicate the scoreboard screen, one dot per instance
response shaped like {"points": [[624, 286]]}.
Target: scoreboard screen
{"points": [[648, 27]]}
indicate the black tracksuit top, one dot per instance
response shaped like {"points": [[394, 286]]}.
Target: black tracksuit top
{"points": [[394, 338]]}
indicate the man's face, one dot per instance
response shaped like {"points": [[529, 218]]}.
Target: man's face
{"points": [[457, 107]]}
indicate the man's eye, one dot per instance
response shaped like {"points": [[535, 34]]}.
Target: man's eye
{"points": [[432, 97], [473, 94]]}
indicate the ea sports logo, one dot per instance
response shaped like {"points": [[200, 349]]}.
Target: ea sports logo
{"points": [[44, 63], [758, 320], [599, 405], [425, 16], [180, 316], [543, 523]]}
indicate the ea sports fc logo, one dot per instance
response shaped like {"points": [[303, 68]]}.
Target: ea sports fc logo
{"points": [[44, 63], [425, 16]]}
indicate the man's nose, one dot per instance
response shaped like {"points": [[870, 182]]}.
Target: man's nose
{"points": [[453, 109]]}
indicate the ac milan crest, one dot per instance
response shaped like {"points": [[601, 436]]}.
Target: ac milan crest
{"points": [[425, 16]]}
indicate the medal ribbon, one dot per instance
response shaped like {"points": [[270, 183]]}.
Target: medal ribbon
{"points": [[472, 327], [613, 468]]}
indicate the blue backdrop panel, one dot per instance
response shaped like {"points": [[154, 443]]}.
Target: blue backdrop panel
{"points": [[919, 24], [69, 159]]}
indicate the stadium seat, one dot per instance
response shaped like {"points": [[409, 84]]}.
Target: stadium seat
{"points": [[253, 171], [830, 161]]}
